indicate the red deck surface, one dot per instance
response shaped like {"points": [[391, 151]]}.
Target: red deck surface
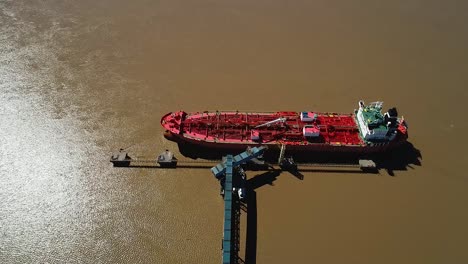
{"points": [[235, 127]]}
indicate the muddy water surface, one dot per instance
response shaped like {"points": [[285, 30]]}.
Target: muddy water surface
{"points": [[79, 79]]}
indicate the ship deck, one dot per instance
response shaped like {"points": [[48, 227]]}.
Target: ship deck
{"points": [[236, 127]]}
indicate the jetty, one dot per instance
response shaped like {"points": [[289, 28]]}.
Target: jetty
{"points": [[230, 172]]}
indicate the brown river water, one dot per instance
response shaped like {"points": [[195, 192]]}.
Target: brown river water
{"points": [[80, 79]]}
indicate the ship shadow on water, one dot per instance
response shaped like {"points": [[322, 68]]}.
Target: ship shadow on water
{"points": [[407, 156], [401, 158]]}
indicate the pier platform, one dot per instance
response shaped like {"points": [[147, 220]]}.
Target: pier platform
{"points": [[230, 172]]}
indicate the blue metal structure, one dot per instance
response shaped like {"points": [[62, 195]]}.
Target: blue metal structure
{"points": [[220, 169], [228, 253], [226, 169]]}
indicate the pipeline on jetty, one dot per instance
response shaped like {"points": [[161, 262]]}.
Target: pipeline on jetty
{"points": [[231, 175]]}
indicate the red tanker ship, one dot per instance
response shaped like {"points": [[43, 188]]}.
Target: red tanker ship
{"points": [[365, 130]]}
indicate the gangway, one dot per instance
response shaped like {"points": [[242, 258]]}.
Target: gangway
{"points": [[282, 152], [248, 155], [228, 243], [225, 171]]}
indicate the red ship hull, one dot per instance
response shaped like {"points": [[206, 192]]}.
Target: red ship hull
{"points": [[235, 131], [236, 147]]}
